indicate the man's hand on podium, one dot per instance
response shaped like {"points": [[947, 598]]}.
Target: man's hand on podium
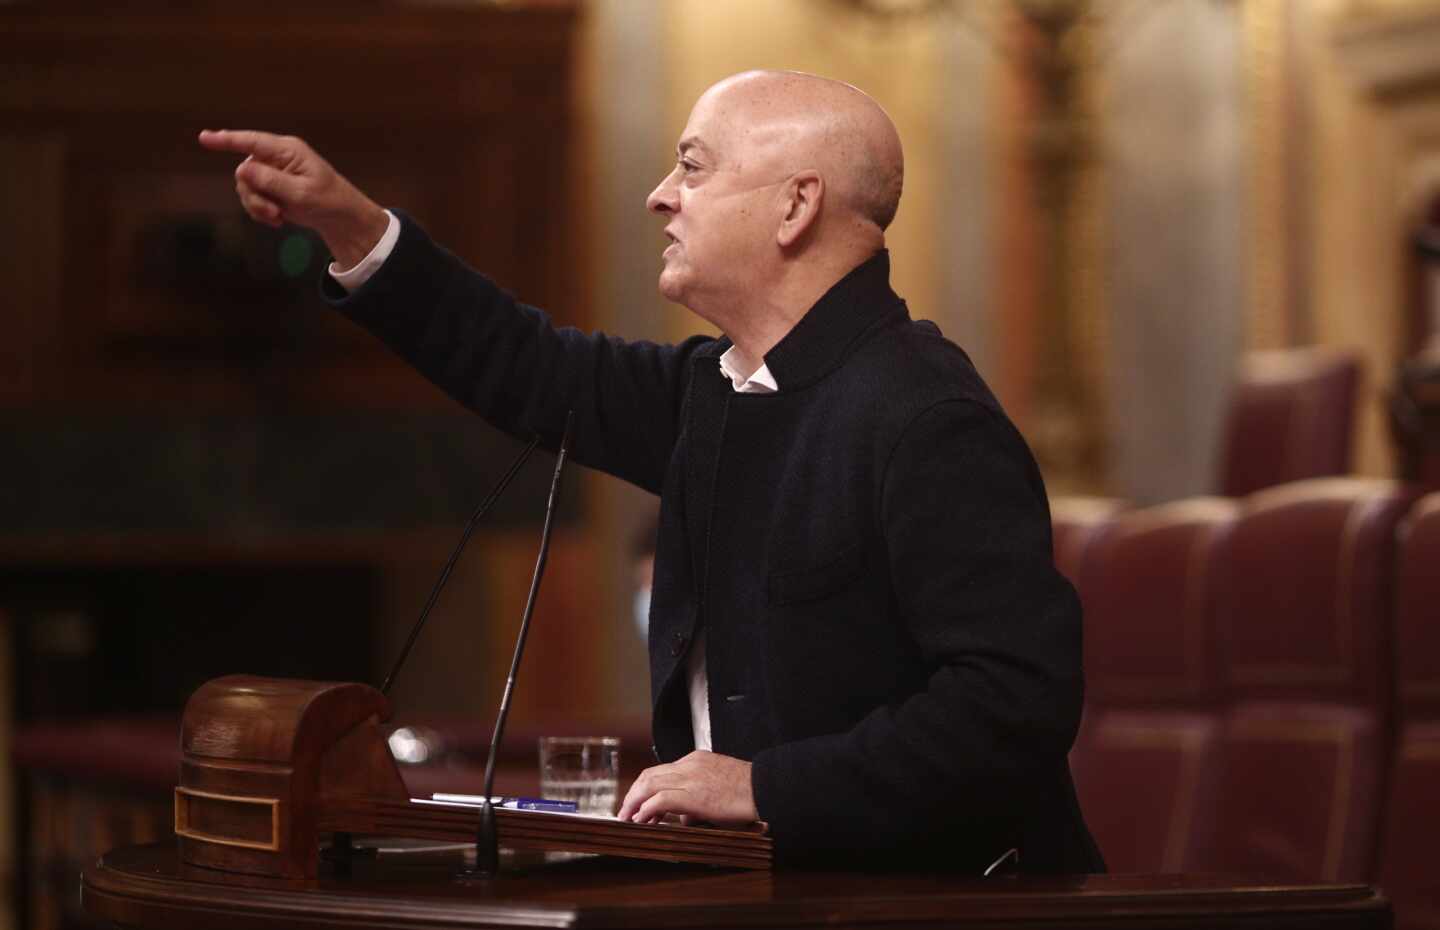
{"points": [[702, 786], [283, 180]]}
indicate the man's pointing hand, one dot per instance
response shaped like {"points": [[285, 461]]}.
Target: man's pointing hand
{"points": [[701, 786], [283, 180]]}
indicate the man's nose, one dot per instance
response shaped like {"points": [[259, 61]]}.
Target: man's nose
{"points": [[662, 199]]}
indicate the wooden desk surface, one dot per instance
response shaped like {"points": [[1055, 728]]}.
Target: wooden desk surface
{"points": [[145, 886]]}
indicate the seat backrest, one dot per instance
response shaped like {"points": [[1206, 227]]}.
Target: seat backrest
{"points": [[1144, 763], [1407, 870], [1304, 616], [1075, 523], [1290, 417]]}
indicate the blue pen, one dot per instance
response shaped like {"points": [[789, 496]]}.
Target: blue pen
{"points": [[541, 804], [515, 804]]}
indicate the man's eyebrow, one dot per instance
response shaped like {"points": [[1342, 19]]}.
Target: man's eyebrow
{"points": [[688, 143]]}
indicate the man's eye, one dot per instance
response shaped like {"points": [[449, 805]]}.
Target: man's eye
{"points": [[688, 166]]}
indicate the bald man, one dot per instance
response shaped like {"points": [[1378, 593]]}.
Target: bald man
{"points": [[856, 632]]}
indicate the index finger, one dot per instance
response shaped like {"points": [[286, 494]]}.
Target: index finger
{"points": [[640, 790], [266, 146], [633, 799]]}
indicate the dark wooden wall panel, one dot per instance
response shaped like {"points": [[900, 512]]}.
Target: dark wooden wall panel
{"points": [[143, 287]]}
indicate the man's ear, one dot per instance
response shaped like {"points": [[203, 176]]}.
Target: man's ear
{"points": [[804, 193]]}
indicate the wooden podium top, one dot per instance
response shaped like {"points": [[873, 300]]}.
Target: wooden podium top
{"points": [[148, 887]]}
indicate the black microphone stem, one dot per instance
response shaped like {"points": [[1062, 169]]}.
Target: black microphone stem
{"points": [[487, 837], [480, 511]]}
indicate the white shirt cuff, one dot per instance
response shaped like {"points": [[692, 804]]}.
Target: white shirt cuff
{"points": [[352, 278]]}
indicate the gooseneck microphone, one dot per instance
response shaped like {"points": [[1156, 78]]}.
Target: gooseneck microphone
{"points": [[487, 838], [474, 521]]}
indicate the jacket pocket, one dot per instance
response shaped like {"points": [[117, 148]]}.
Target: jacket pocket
{"points": [[790, 586]]}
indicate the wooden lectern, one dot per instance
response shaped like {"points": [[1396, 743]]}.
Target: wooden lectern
{"points": [[270, 765]]}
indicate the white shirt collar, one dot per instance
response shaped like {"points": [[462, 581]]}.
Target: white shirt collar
{"points": [[761, 381]]}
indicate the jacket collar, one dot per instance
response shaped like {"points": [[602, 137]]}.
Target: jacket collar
{"points": [[828, 331]]}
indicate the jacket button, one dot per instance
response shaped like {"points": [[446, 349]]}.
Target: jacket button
{"points": [[677, 644]]}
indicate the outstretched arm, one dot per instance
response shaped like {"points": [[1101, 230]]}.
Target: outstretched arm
{"points": [[500, 358], [284, 180]]}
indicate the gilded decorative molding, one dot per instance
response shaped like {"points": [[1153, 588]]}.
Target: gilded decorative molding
{"points": [[1268, 288]]}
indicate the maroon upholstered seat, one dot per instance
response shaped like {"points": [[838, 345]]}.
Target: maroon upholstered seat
{"points": [[1407, 868], [1291, 416], [1304, 617], [1145, 760], [1075, 523], [1300, 795]]}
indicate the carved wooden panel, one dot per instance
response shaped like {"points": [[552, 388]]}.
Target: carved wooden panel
{"points": [[142, 285]]}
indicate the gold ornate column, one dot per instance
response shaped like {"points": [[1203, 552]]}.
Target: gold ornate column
{"points": [[1066, 426], [1269, 241], [1051, 377]]}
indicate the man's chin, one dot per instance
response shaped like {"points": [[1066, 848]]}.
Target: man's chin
{"points": [[670, 288]]}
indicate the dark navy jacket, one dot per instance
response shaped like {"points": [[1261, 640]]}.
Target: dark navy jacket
{"points": [[867, 552]]}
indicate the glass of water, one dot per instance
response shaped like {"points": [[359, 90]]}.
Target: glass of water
{"points": [[583, 769]]}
